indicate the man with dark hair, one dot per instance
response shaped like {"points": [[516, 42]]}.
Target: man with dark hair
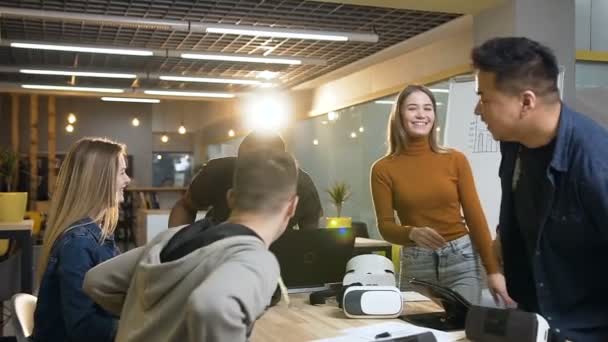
{"points": [[205, 283], [554, 174], [209, 187]]}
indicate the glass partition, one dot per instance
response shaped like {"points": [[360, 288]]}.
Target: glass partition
{"points": [[592, 90]]}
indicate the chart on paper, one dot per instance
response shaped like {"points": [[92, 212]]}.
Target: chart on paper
{"points": [[480, 139]]}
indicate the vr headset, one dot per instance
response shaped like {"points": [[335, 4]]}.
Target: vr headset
{"points": [[372, 302], [480, 323], [368, 289], [505, 325]]}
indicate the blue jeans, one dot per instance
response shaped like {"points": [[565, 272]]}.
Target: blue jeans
{"points": [[455, 266]]}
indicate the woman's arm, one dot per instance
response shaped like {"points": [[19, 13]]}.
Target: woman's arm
{"points": [[382, 195], [83, 319], [479, 231], [473, 214]]}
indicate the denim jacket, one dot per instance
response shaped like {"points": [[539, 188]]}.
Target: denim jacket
{"points": [[64, 312], [564, 278]]}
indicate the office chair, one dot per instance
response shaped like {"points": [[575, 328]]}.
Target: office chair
{"points": [[23, 306]]}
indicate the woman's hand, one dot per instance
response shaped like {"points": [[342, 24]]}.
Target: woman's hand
{"points": [[427, 237], [498, 289]]}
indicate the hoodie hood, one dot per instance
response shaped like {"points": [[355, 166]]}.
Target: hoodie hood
{"points": [[156, 279], [201, 234]]}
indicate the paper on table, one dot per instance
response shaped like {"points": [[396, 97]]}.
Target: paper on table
{"points": [[413, 296], [400, 329]]}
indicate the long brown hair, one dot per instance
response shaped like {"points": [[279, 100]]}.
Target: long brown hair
{"points": [[86, 188], [397, 136]]}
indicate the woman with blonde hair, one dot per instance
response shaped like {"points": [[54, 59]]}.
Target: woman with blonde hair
{"points": [[433, 192], [80, 235]]}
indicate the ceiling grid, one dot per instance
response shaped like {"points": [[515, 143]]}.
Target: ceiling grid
{"points": [[392, 26]]}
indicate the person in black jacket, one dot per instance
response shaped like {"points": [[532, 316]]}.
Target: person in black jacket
{"points": [[209, 187]]}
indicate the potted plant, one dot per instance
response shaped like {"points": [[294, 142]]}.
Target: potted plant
{"points": [[338, 194], [12, 204]]}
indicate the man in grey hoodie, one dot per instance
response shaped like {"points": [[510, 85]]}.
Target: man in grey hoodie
{"points": [[205, 282]]}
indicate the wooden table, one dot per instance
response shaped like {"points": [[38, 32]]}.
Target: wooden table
{"points": [[22, 233], [304, 322], [366, 246]]}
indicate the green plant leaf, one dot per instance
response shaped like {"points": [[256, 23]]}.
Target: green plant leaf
{"points": [[339, 193], [8, 166]]}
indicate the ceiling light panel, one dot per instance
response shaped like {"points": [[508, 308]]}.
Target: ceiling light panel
{"points": [[209, 80], [129, 99], [188, 93], [77, 73], [67, 88], [56, 47]]}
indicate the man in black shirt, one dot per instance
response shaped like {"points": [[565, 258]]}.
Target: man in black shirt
{"points": [[554, 180], [209, 187], [529, 185]]}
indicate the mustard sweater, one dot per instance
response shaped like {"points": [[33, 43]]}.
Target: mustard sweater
{"points": [[428, 189]]}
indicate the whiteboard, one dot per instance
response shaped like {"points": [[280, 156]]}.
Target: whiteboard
{"points": [[467, 133]]}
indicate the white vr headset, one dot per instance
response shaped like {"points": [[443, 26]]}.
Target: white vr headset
{"points": [[370, 288], [372, 302], [370, 270]]}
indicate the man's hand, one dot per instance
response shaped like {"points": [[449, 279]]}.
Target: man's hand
{"points": [[427, 237], [498, 289]]}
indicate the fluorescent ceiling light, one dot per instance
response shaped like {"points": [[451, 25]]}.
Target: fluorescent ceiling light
{"points": [[66, 88], [246, 59], [385, 102], [436, 90], [210, 80], [188, 93], [277, 34], [76, 73], [267, 74], [73, 48], [129, 99]]}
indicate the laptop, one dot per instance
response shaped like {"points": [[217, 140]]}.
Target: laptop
{"points": [[315, 257]]}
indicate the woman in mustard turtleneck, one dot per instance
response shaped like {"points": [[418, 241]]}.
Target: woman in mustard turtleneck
{"points": [[442, 227]]}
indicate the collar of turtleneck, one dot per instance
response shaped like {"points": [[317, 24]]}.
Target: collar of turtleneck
{"points": [[417, 146]]}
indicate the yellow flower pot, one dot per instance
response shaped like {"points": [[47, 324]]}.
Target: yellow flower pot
{"points": [[12, 206], [338, 222]]}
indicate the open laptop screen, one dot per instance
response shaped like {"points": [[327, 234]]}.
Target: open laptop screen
{"points": [[311, 258]]}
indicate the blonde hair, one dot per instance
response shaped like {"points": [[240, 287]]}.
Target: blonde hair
{"points": [[397, 136], [86, 188]]}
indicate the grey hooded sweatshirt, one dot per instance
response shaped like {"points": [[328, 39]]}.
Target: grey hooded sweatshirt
{"points": [[213, 293]]}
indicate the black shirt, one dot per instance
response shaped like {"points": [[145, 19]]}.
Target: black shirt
{"points": [[209, 186], [530, 185]]}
